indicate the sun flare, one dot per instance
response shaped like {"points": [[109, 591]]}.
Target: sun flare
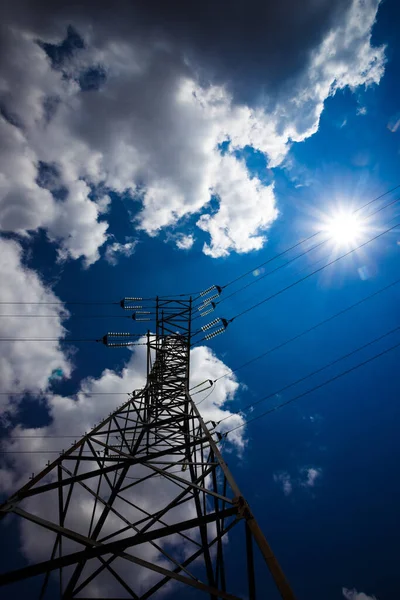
{"points": [[345, 227]]}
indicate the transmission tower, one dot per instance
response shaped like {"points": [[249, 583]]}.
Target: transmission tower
{"points": [[141, 506]]}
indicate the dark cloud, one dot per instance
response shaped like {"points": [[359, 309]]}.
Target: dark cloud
{"points": [[255, 47], [59, 53], [92, 79]]}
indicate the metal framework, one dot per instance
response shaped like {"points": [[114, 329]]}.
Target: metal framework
{"points": [[140, 506]]}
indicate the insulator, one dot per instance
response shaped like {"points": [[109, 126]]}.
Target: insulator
{"points": [[214, 333], [207, 312], [132, 299], [120, 344], [143, 312], [207, 301], [206, 309], [144, 319], [116, 334], [212, 287], [211, 324], [132, 307]]}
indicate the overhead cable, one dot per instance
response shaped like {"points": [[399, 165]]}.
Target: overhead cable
{"points": [[312, 373], [316, 387], [305, 277], [309, 329], [304, 253]]}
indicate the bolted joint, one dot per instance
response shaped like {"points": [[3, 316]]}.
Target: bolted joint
{"points": [[243, 508]]}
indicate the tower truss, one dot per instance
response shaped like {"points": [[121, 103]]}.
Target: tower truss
{"points": [[144, 504]]}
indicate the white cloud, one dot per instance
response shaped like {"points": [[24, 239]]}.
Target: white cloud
{"points": [[23, 204], [246, 209], [311, 475], [76, 227], [345, 58], [354, 595], [27, 366], [26, 83], [103, 204], [185, 242], [307, 479], [361, 110], [285, 481], [214, 406], [162, 143], [114, 250]]}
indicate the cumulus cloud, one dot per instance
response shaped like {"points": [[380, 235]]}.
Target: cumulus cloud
{"points": [[21, 200], [116, 249], [26, 366], [354, 595], [142, 105], [29, 200], [184, 242], [246, 209]]}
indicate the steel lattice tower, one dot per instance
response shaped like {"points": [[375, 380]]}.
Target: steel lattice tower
{"points": [[144, 501]]}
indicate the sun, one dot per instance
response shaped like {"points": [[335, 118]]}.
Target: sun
{"points": [[344, 227]]}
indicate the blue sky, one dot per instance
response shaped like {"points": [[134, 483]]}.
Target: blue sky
{"points": [[168, 170]]}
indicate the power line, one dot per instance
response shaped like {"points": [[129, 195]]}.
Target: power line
{"points": [[209, 394], [72, 394], [254, 281], [315, 372], [264, 398], [38, 452], [56, 437], [303, 241], [333, 261], [302, 379], [253, 404], [316, 387], [86, 393], [310, 237], [64, 341], [61, 303], [110, 303], [278, 268], [61, 341], [86, 303], [299, 335], [320, 260], [66, 317], [293, 284]]}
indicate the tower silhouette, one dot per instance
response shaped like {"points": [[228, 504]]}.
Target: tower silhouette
{"points": [[142, 505]]}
